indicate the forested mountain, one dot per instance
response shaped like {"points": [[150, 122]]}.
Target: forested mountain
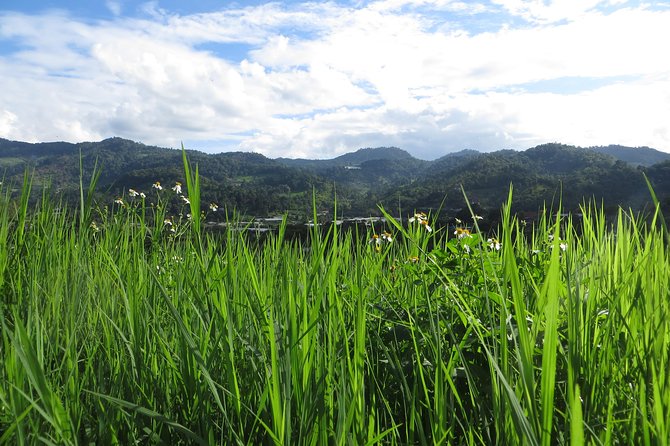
{"points": [[256, 185], [247, 182], [351, 159], [638, 156], [541, 175]]}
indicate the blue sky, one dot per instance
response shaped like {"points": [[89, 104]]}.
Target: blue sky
{"points": [[317, 79]]}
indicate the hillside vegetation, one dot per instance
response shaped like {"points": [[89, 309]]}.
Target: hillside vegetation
{"points": [[253, 184]]}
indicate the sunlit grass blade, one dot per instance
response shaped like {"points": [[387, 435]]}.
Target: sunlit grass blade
{"points": [[48, 404], [656, 204], [576, 420], [86, 199], [191, 345], [193, 188], [550, 295], [524, 350]]}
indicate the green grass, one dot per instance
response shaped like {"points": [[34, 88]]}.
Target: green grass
{"points": [[121, 328]]}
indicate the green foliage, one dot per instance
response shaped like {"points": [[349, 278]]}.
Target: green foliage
{"points": [[254, 185], [142, 328]]}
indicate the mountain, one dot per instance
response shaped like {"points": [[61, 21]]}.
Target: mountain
{"points": [[249, 182], [351, 159], [362, 174], [540, 175], [256, 185], [451, 162], [638, 156]]}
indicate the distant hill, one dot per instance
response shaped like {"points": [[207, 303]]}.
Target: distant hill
{"points": [[451, 162], [351, 159], [638, 156], [540, 175], [366, 171], [249, 182], [256, 185], [373, 154]]}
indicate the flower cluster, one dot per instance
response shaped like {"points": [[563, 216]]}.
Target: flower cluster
{"points": [[169, 225], [561, 243], [133, 193], [494, 244], [422, 219], [378, 240], [462, 233], [178, 193]]}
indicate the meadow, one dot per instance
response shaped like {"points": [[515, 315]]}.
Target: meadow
{"points": [[124, 324]]}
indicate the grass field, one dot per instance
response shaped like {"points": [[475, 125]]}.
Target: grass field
{"points": [[125, 325]]}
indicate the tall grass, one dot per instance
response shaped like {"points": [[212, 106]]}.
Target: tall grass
{"points": [[130, 325]]}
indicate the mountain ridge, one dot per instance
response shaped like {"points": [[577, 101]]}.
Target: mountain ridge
{"points": [[256, 184]]}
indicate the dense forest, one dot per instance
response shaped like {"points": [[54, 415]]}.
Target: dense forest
{"points": [[254, 185]]}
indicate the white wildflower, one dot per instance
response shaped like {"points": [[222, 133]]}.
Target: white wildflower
{"points": [[462, 233], [422, 219], [494, 244], [419, 216]]}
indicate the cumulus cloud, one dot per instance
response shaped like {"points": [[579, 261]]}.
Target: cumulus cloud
{"points": [[319, 79], [7, 120]]}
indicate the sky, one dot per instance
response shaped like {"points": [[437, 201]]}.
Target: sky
{"points": [[319, 79]]}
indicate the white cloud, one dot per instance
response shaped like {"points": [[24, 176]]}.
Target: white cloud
{"points": [[322, 79], [542, 11], [114, 7], [7, 120], [602, 116], [152, 9]]}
